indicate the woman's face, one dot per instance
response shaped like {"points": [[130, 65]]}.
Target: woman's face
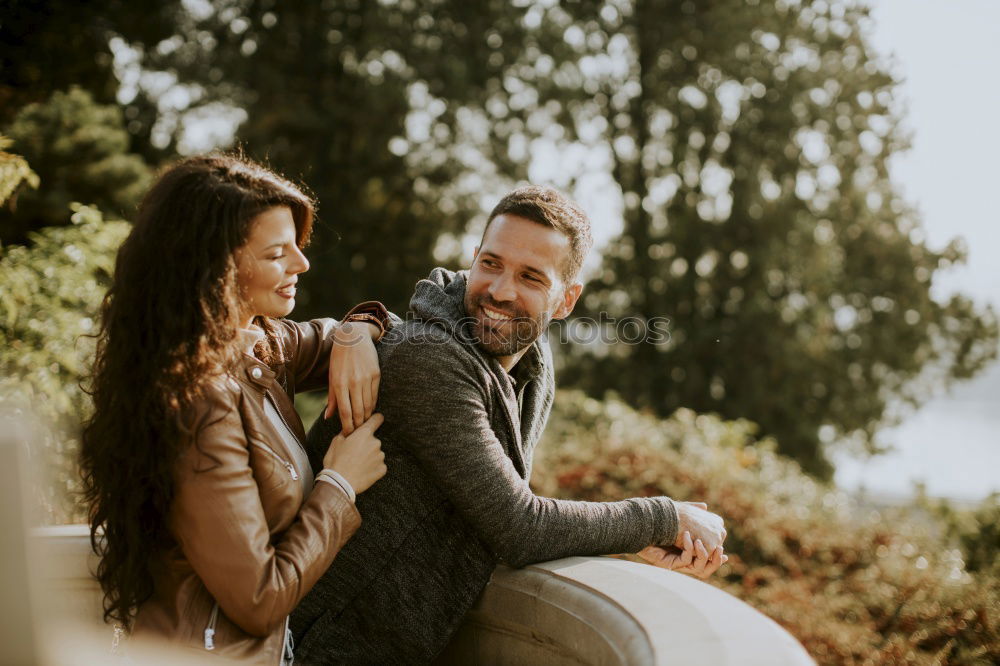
{"points": [[268, 266]]}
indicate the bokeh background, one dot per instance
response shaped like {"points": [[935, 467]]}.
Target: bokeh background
{"points": [[802, 187]]}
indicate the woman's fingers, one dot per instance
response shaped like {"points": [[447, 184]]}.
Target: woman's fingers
{"points": [[331, 402], [357, 403], [344, 408], [366, 393]]}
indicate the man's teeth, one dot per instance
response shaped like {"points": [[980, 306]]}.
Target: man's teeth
{"points": [[496, 316]]}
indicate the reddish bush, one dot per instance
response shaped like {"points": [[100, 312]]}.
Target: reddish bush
{"points": [[855, 584]]}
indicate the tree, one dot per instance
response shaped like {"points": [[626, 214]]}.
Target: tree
{"points": [[79, 151], [49, 306], [750, 141], [50, 45], [355, 99]]}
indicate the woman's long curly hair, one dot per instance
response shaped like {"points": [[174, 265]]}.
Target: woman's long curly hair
{"points": [[169, 323]]}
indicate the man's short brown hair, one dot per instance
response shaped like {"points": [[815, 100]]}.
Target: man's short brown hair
{"points": [[551, 208]]}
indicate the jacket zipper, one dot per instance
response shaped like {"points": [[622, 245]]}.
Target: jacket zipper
{"points": [[210, 629], [274, 403], [287, 465]]}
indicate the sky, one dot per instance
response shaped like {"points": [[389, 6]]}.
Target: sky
{"points": [[947, 55]]}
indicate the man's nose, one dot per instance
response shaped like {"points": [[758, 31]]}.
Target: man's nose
{"points": [[502, 288]]}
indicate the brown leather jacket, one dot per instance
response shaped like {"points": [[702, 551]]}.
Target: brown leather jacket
{"points": [[246, 547]]}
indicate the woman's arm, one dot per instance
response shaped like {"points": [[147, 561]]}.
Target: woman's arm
{"points": [[217, 518], [342, 357]]}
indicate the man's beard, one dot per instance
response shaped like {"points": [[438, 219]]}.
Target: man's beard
{"points": [[508, 337]]}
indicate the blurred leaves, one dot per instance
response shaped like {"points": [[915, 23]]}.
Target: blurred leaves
{"points": [[357, 99], [14, 171], [745, 143], [751, 142], [857, 584], [80, 151], [49, 306]]}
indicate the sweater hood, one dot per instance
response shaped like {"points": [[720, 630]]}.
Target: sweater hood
{"points": [[440, 297]]}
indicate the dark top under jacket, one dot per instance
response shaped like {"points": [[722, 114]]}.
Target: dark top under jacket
{"points": [[458, 436]]}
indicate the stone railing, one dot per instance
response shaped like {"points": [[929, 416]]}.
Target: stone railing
{"points": [[579, 610]]}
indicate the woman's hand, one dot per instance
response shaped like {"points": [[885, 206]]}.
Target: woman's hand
{"points": [[354, 374], [358, 457], [694, 559]]}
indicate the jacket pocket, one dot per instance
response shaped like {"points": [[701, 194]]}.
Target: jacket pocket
{"points": [[270, 469]]}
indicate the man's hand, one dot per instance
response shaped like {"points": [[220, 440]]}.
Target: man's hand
{"points": [[354, 375], [693, 559], [694, 517]]}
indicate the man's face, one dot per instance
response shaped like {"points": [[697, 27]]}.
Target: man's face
{"points": [[516, 285]]}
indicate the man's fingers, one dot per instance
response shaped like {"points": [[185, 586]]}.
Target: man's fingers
{"points": [[700, 505], [714, 562], [688, 555], [701, 558]]}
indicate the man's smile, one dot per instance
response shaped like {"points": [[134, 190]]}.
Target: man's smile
{"points": [[495, 315]]}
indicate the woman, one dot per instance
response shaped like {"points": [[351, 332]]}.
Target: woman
{"points": [[207, 517]]}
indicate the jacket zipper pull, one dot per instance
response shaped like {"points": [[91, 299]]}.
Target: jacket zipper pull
{"points": [[291, 470], [210, 629]]}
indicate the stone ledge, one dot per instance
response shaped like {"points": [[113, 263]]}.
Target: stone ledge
{"points": [[578, 610], [597, 610]]}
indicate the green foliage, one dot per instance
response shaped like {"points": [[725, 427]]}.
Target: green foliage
{"points": [[976, 529], [49, 307], [333, 93], [14, 171], [751, 143], [749, 139], [854, 584], [80, 151], [49, 45]]}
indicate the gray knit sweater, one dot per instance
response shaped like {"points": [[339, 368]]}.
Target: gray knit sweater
{"points": [[459, 434]]}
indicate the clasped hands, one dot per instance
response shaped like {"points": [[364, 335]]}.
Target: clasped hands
{"points": [[698, 548]]}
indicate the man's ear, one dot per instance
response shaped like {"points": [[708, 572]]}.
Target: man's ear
{"points": [[569, 298]]}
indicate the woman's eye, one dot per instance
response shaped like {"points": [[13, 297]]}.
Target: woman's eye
{"points": [[277, 256]]}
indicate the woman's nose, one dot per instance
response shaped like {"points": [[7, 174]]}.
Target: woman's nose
{"points": [[299, 266]]}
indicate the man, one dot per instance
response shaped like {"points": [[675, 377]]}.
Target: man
{"points": [[466, 388]]}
